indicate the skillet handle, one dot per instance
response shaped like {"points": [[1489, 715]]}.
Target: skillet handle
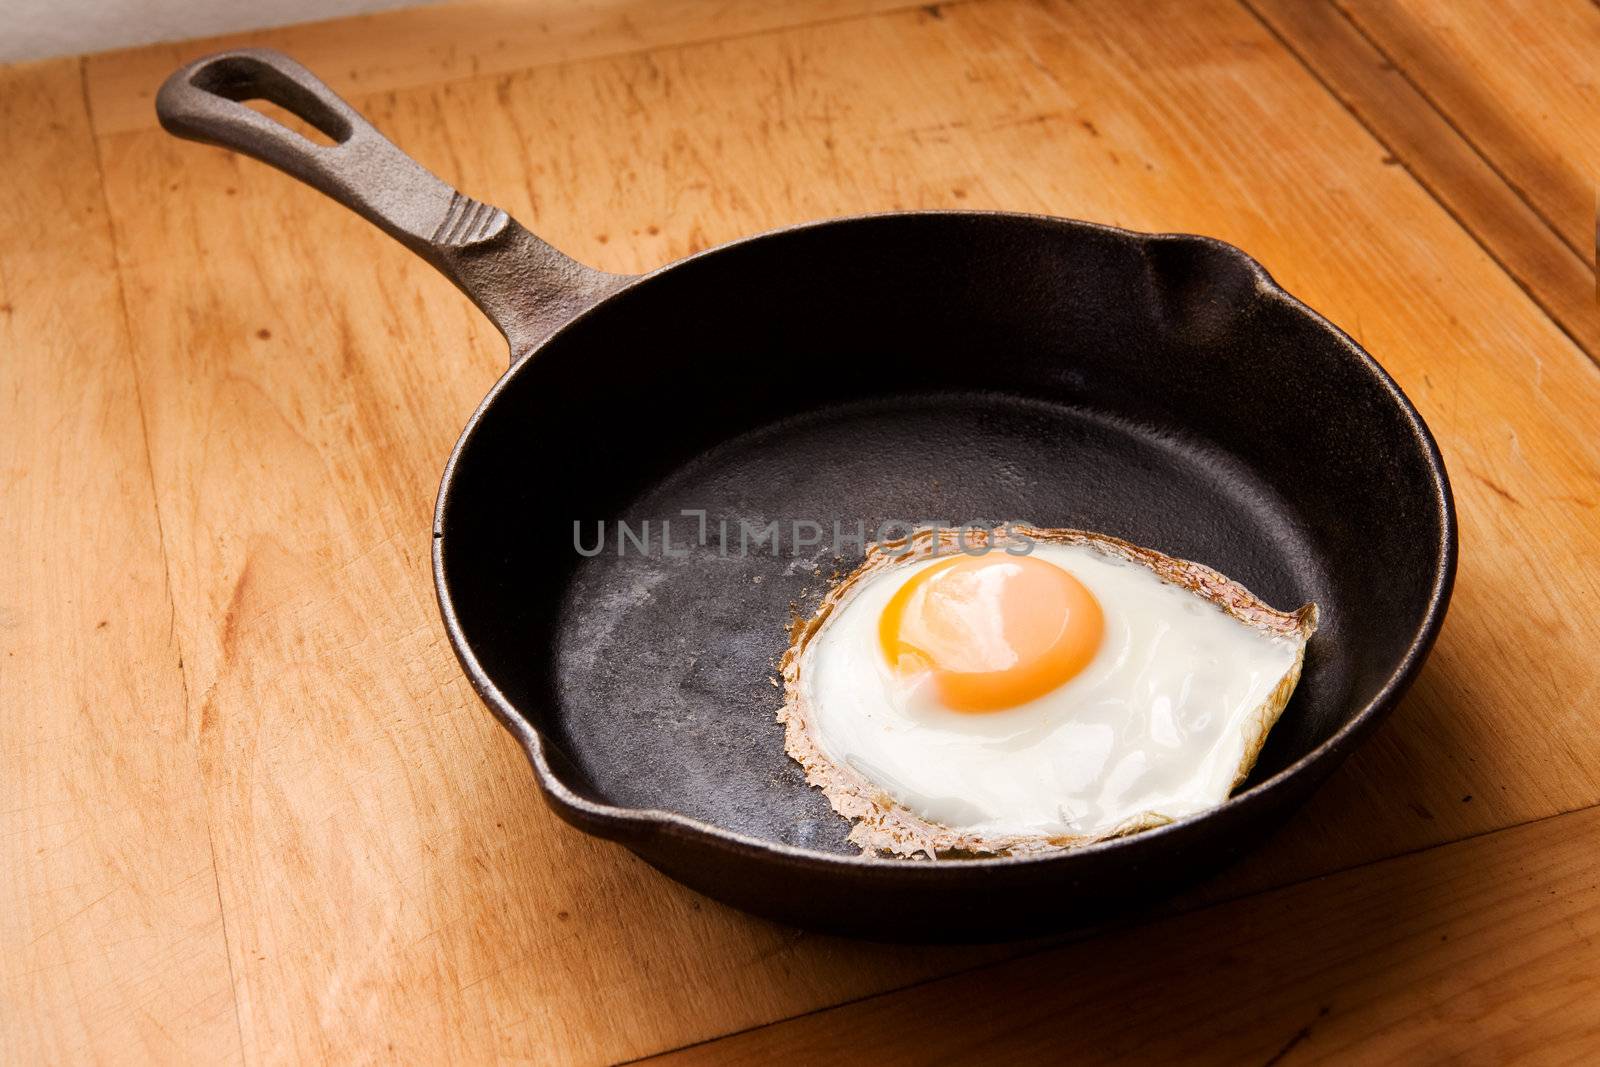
{"points": [[527, 288]]}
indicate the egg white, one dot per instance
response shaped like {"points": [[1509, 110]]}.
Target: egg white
{"points": [[1161, 724]]}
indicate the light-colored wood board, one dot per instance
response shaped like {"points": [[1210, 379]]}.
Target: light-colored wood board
{"points": [[386, 867], [1518, 80], [1484, 951], [1388, 102], [111, 938], [440, 42]]}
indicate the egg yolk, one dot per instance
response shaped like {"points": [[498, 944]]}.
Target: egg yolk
{"points": [[994, 630]]}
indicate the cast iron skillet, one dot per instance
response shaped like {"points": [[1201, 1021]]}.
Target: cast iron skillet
{"points": [[933, 366]]}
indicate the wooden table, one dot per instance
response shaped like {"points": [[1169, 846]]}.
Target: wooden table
{"points": [[253, 812]]}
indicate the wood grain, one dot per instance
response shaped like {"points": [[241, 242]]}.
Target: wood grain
{"points": [[1389, 102], [1479, 952], [111, 934], [392, 886], [1518, 80], [442, 42]]}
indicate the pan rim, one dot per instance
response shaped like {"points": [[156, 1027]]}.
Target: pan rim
{"points": [[629, 825]]}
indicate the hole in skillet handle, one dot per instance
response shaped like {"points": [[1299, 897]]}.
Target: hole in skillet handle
{"points": [[289, 119], [245, 78]]}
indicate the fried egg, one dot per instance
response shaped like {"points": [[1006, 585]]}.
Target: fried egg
{"points": [[1040, 690]]}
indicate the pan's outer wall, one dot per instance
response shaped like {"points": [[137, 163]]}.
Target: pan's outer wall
{"points": [[1295, 465]]}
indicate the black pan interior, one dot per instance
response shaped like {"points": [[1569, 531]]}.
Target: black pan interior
{"points": [[927, 367]]}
